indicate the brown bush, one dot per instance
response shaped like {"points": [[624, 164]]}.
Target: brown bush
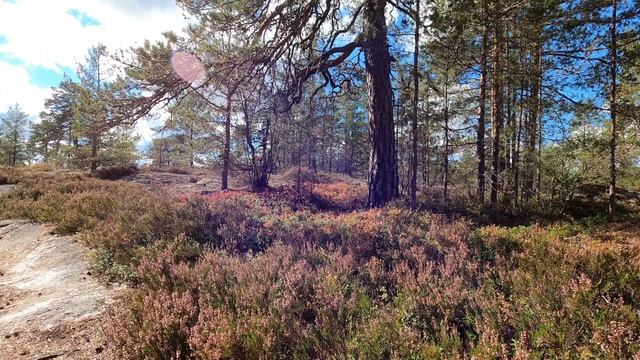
{"points": [[384, 284], [290, 176], [116, 172], [242, 275], [342, 196]]}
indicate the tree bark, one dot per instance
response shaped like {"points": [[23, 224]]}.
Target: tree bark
{"points": [[480, 143], [383, 171], [614, 130], [414, 122], [226, 156], [516, 180], [14, 151], [445, 175], [191, 151], [94, 153], [532, 124], [539, 153], [496, 121]]}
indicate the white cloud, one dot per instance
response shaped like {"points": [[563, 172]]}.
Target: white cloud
{"points": [[44, 33], [15, 87]]}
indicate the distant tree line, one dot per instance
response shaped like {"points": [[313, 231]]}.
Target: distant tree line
{"points": [[77, 130]]}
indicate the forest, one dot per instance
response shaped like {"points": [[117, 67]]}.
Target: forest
{"points": [[352, 179]]}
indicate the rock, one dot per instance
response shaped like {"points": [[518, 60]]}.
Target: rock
{"points": [[46, 293]]}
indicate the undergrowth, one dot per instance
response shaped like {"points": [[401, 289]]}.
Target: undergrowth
{"points": [[242, 275]]}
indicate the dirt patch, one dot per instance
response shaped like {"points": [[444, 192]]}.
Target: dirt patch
{"points": [[50, 304]]}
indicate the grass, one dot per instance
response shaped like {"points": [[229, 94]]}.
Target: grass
{"points": [[243, 275]]}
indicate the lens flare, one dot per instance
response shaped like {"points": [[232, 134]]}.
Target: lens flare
{"points": [[189, 68]]}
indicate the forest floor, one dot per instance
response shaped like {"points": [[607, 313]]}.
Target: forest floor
{"points": [[50, 304]]}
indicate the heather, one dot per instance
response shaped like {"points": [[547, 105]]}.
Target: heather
{"points": [[279, 274], [385, 284]]}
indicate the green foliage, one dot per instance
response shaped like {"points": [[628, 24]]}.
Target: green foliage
{"points": [[185, 139], [80, 128], [13, 128]]}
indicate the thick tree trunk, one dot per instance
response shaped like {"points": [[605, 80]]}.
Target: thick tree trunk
{"points": [[383, 171], [414, 120], [480, 143], [496, 121], [614, 130]]}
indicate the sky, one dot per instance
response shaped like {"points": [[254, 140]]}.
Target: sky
{"points": [[41, 40]]}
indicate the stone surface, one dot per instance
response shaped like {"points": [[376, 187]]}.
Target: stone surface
{"points": [[50, 305]]}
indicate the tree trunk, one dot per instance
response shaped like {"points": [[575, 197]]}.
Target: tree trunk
{"points": [[227, 145], [191, 152], [414, 122], [160, 151], [14, 151], [532, 124], [445, 176], [311, 148], [516, 180], [480, 146], [94, 153], [427, 138], [496, 121], [614, 130], [262, 179], [539, 153], [383, 171]]}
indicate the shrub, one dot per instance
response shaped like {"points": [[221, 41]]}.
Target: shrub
{"points": [[227, 220], [307, 175], [243, 275], [383, 283], [116, 172], [341, 196]]}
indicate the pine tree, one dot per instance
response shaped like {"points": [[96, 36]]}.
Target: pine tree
{"points": [[13, 136]]}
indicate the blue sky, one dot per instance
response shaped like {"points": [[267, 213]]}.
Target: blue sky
{"points": [[41, 40]]}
